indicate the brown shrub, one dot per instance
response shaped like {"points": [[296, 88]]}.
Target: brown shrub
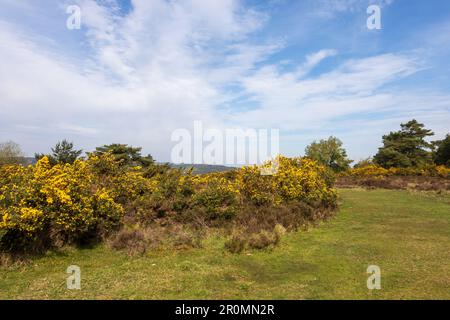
{"points": [[139, 240], [291, 216], [131, 241], [258, 227]]}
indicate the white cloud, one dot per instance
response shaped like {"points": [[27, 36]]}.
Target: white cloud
{"points": [[148, 72], [359, 89]]}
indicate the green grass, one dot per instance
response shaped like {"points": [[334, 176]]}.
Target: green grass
{"points": [[406, 234]]}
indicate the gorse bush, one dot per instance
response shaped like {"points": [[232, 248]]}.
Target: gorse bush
{"points": [[297, 179], [218, 196], [124, 183], [375, 170], [45, 205], [302, 179]]}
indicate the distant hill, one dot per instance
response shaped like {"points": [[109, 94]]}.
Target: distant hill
{"points": [[30, 160], [203, 168], [198, 168]]}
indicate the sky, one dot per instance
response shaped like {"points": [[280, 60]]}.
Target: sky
{"points": [[137, 70]]}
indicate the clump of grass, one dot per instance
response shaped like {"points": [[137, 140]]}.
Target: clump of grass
{"points": [[5, 260], [183, 237], [240, 240], [262, 240], [236, 243]]}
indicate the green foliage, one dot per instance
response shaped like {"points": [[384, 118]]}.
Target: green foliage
{"points": [[126, 155], [329, 153], [172, 193], [10, 153], [405, 148], [62, 153], [442, 153]]}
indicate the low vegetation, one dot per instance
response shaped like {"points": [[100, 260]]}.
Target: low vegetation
{"points": [[429, 177]]}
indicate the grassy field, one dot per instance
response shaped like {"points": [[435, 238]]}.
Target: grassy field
{"points": [[406, 234]]}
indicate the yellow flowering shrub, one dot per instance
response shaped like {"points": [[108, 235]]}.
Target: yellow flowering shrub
{"points": [[125, 184], [377, 171], [303, 179], [47, 205], [296, 179], [442, 171], [369, 170], [257, 188], [61, 201]]}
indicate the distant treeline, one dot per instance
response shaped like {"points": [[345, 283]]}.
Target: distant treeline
{"points": [[406, 148]]}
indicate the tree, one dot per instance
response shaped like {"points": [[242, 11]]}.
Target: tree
{"points": [[10, 153], [405, 148], [329, 153], [442, 153], [63, 152], [126, 155]]}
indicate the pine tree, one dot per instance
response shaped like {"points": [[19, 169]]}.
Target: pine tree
{"points": [[442, 153], [405, 148], [126, 155], [63, 152]]}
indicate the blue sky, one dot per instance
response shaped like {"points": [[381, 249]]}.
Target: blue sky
{"points": [[138, 70]]}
